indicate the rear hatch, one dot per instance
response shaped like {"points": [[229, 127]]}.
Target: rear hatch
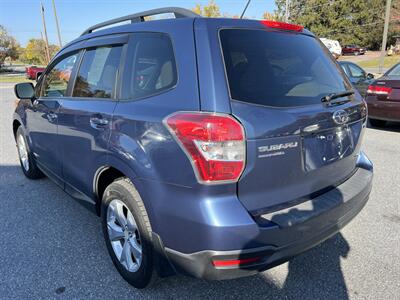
{"points": [[297, 146]]}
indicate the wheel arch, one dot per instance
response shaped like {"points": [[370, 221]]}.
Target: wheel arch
{"points": [[16, 124], [110, 170], [104, 176]]}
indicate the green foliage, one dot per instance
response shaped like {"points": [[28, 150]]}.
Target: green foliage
{"points": [[211, 10], [8, 45], [35, 52], [348, 21]]}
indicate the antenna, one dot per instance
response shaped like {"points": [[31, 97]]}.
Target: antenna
{"points": [[245, 8]]}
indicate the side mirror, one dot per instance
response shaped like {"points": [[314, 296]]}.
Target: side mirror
{"points": [[370, 76], [24, 90], [38, 74]]}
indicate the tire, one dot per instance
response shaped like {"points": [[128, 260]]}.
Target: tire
{"points": [[377, 123], [356, 53], [119, 199], [26, 159]]}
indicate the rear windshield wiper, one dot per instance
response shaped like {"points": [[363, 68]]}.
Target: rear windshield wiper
{"points": [[328, 98]]}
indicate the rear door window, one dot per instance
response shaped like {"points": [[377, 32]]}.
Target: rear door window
{"points": [[280, 69], [98, 72]]}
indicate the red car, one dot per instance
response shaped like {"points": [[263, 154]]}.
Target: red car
{"points": [[353, 49], [383, 98], [32, 71]]}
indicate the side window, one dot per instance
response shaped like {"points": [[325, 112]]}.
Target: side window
{"points": [[97, 72], [153, 66], [356, 71], [55, 82], [344, 69]]}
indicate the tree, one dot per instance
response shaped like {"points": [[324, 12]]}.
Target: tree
{"points": [[35, 52], [211, 10], [8, 45], [349, 21], [270, 16]]}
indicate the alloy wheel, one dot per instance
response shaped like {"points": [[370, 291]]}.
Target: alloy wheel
{"points": [[124, 236], [23, 152]]}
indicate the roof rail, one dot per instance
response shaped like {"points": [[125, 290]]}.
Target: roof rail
{"points": [[139, 17]]}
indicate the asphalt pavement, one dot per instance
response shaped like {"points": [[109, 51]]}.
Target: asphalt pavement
{"points": [[52, 247]]}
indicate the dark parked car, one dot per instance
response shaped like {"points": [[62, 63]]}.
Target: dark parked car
{"points": [[203, 146], [358, 77], [353, 49], [383, 98]]}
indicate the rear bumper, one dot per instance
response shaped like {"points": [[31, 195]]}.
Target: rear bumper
{"points": [[294, 230], [383, 110]]}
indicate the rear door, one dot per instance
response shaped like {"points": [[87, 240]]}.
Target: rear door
{"points": [[297, 146], [85, 117]]}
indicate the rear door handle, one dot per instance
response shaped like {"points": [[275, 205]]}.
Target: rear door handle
{"points": [[97, 122]]}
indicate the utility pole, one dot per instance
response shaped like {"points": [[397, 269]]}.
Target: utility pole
{"points": [[385, 32], [287, 11], [46, 41], [57, 25]]}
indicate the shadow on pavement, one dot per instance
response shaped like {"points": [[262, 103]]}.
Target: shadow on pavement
{"points": [[390, 126], [62, 251]]}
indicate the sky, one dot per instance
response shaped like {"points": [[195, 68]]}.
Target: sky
{"points": [[22, 18]]}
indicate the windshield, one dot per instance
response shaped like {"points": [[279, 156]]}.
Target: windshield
{"points": [[394, 72], [278, 68]]}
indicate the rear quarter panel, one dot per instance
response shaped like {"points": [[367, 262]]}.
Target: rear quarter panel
{"points": [[140, 145]]}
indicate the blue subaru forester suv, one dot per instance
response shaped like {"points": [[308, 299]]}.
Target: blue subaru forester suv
{"points": [[216, 148]]}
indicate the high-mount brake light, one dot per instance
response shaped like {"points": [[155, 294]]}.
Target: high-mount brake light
{"points": [[379, 90], [282, 25], [214, 143]]}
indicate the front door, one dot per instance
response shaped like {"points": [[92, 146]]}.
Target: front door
{"points": [[42, 116]]}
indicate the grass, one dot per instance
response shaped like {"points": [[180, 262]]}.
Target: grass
{"points": [[374, 62], [14, 79]]}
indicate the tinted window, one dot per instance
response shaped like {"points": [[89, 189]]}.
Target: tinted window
{"points": [[356, 71], [394, 72], [343, 66], [153, 65], [278, 68], [97, 73], [56, 80]]}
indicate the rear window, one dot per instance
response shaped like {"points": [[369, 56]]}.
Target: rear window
{"points": [[278, 69], [394, 72]]}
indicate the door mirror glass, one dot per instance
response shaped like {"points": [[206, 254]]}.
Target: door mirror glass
{"points": [[24, 90], [370, 76]]}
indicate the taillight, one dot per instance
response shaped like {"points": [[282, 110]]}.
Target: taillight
{"points": [[379, 90], [214, 143], [282, 25]]}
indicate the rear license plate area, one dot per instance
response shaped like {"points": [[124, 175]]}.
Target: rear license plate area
{"points": [[323, 148]]}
